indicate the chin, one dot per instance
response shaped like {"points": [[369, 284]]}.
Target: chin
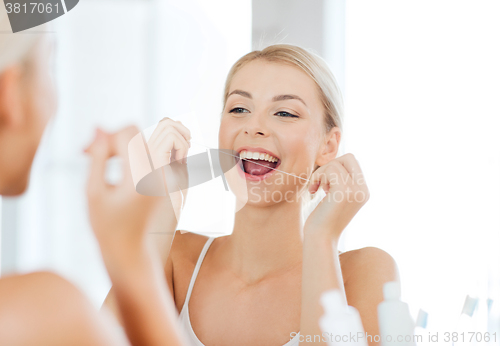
{"points": [[266, 196]]}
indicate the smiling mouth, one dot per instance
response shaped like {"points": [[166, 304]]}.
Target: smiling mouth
{"points": [[257, 163]]}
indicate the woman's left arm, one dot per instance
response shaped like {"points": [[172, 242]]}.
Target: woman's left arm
{"points": [[366, 269]]}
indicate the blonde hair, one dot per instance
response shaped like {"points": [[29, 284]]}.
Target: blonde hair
{"points": [[316, 68]]}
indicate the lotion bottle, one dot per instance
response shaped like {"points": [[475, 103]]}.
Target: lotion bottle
{"points": [[341, 323], [395, 321]]}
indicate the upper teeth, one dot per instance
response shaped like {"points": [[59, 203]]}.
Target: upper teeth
{"points": [[257, 156]]}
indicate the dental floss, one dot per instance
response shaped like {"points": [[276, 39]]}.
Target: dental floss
{"points": [[394, 318], [341, 323]]}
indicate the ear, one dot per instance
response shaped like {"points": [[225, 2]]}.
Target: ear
{"points": [[11, 98], [329, 147]]}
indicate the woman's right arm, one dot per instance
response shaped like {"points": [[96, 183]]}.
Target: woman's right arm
{"points": [[121, 219]]}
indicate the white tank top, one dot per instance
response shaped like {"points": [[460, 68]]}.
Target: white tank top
{"points": [[184, 320]]}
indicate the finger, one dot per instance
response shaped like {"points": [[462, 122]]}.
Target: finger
{"points": [[325, 181], [183, 130], [313, 186], [316, 180], [334, 173], [181, 147], [170, 144], [167, 123], [350, 163], [99, 153], [182, 151], [161, 127], [339, 174], [180, 154], [165, 133]]}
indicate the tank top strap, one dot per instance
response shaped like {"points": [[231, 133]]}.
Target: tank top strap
{"points": [[197, 268]]}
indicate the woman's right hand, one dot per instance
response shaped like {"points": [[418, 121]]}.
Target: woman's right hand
{"points": [[121, 219], [169, 142], [120, 216], [168, 147]]}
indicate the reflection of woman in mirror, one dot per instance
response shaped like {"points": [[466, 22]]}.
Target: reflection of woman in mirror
{"points": [[42, 308], [261, 285]]}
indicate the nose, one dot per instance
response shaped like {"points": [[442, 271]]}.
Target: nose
{"points": [[256, 126]]}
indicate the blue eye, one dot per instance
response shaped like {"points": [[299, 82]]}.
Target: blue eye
{"points": [[286, 115], [238, 110]]}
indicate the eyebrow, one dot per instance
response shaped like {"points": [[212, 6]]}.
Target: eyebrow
{"points": [[275, 98]]}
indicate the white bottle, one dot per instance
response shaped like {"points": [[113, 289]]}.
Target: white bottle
{"points": [[341, 323], [395, 322], [493, 322]]}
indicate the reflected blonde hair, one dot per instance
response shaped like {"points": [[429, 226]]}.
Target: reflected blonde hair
{"points": [[316, 68], [18, 48]]}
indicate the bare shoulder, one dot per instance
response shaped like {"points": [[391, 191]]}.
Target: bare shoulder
{"points": [[32, 282], [368, 263], [184, 252], [43, 308], [365, 272], [33, 292]]}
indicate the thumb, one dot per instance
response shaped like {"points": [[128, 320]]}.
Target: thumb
{"points": [[99, 152]]}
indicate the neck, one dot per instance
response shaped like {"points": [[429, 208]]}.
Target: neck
{"points": [[266, 241]]}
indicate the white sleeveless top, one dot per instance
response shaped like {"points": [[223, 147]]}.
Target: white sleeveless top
{"points": [[184, 320]]}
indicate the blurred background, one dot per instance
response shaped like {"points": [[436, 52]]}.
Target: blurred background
{"points": [[420, 85]]}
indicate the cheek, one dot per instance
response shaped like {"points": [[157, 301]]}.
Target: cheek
{"points": [[53, 100], [227, 131], [49, 101], [303, 145], [44, 105]]}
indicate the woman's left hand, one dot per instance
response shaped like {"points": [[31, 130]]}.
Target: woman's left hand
{"points": [[346, 192]]}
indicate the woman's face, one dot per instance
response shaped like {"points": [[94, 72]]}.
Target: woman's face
{"points": [[273, 109], [25, 117]]}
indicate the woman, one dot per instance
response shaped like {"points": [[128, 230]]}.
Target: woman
{"points": [[261, 285], [42, 308]]}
